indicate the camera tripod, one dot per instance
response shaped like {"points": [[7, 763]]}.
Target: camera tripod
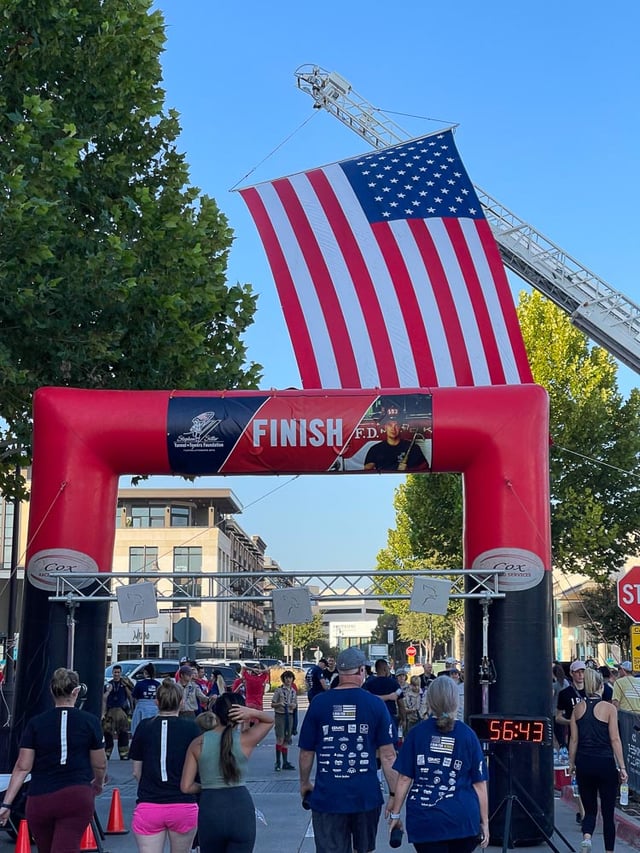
{"points": [[511, 800]]}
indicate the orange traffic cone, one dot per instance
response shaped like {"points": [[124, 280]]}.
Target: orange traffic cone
{"points": [[23, 841], [115, 824], [88, 841]]}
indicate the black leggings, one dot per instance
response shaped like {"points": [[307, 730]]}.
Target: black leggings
{"points": [[226, 820], [598, 776], [452, 845]]}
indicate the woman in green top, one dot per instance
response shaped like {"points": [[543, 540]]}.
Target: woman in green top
{"points": [[219, 758]]}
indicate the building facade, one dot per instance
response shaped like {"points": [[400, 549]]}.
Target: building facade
{"points": [[162, 532], [186, 531]]}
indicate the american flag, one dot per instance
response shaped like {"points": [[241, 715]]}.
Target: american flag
{"points": [[388, 273]]}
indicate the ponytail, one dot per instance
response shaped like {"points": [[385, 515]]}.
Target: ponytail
{"points": [[228, 764]]}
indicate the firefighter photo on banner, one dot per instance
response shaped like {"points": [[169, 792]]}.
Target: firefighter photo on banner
{"points": [[255, 433]]}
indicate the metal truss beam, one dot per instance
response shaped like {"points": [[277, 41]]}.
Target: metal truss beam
{"points": [[76, 588]]}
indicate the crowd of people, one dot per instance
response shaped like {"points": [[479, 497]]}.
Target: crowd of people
{"points": [[366, 732], [366, 727]]}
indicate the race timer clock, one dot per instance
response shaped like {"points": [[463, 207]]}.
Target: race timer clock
{"points": [[500, 728]]}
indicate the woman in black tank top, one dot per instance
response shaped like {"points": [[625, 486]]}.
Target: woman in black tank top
{"points": [[595, 754]]}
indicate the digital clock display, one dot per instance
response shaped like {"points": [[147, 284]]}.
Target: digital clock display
{"points": [[496, 728]]}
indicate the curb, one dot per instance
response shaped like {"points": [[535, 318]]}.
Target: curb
{"points": [[627, 826]]}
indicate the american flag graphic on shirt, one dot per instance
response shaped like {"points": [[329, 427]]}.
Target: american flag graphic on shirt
{"points": [[388, 273]]}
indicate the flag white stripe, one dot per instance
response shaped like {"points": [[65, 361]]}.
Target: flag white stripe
{"points": [[430, 310], [379, 273], [305, 289], [478, 254], [343, 284], [462, 300]]}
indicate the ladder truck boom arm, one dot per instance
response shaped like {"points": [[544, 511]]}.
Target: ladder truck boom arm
{"points": [[606, 315]]}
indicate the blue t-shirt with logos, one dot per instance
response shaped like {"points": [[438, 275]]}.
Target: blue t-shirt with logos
{"points": [[442, 803], [314, 679], [344, 727]]}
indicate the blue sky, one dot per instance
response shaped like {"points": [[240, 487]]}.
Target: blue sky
{"points": [[547, 102]]}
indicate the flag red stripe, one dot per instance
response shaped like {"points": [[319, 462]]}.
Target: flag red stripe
{"points": [[506, 300], [329, 302], [294, 316], [411, 310], [364, 286], [444, 298], [474, 288]]}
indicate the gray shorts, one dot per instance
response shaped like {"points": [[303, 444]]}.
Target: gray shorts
{"points": [[346, 833]]}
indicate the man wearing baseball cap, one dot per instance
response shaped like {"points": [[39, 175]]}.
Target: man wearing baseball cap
{"points": [[341, 731], [626, 690], [571, 695], [568, 699]]}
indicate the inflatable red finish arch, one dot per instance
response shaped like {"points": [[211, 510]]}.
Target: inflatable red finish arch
{"points": [[497, 437]]}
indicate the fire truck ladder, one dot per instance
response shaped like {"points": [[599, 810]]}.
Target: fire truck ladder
{"points": [[607, 316]]}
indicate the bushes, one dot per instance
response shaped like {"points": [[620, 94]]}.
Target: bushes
{"points": [[276, 671]]}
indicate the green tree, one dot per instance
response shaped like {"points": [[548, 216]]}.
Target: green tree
{"points": [[606, 621], [595, 502], [274, 647], [303, 636], [112, 267], [417, 542]]}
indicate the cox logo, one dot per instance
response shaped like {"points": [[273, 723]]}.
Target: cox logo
{"points": [[521, 569]]}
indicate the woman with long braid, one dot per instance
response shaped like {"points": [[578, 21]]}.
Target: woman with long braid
{"points": [[219, 758]]}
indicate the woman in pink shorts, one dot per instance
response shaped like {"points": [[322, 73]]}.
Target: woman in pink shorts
{"points": [[157, 750]]}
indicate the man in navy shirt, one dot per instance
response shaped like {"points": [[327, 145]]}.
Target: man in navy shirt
{"points": [[386, 687], [341, 731], [315, 680]]}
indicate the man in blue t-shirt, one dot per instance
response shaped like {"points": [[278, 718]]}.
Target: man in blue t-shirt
{"points": [[341, 731], [315, 680], [386, 687]]}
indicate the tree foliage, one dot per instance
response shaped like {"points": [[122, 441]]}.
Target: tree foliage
{"points": [[595, 499], [606, 621], [595, 511], [303, 636], [417, 542], [112, 267]]}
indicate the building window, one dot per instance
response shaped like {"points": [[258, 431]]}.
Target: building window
{"points": [[180, 516], [143, 560], [187, 561], [133, 651], [147, 516], [7, 533]]}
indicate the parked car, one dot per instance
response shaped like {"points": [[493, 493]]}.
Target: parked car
{"points": [[269, 662], [228, 673], [133, 669], [237, 664]]}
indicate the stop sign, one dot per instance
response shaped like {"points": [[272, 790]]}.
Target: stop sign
{"points": [[629, 593], [411, 650]]}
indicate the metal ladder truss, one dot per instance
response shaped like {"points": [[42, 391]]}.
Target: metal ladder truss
{"points": [[606, 315], [77, 588]]}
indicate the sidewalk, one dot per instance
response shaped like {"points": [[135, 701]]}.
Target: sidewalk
{"points": [[288, 826]]}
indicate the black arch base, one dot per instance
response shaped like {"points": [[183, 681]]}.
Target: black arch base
{"points": [[520, 647]]}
